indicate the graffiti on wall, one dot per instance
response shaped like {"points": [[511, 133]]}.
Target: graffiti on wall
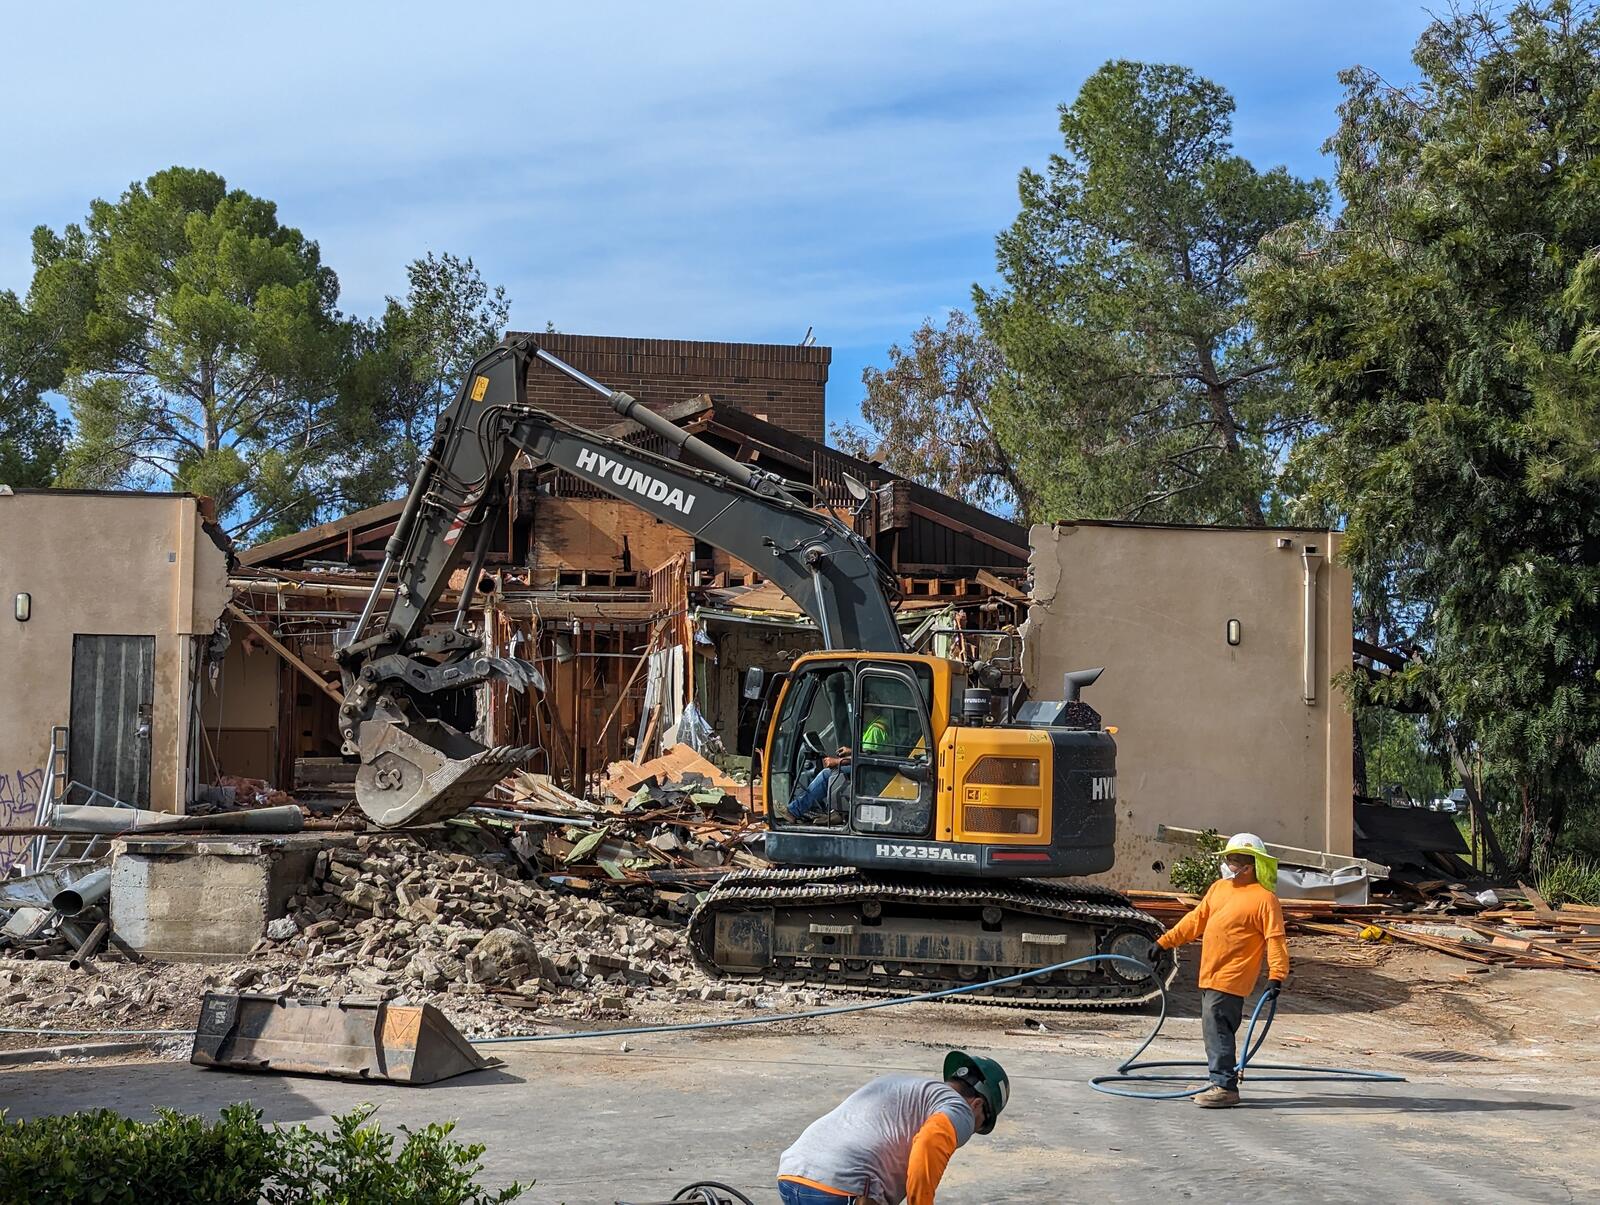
{"points": [[19, 796]]}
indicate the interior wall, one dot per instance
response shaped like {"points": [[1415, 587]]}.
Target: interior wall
{"points": [[604, 535], [240, 711], [739, 646], [1210, 735]]}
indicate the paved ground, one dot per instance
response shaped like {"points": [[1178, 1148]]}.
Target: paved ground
{"points": [[593, 1124]]}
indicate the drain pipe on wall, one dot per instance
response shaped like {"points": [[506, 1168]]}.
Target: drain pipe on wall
{"points": [[1310, 564]]}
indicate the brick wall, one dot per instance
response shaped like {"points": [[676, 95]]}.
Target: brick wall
{"points": [[778, 382]]}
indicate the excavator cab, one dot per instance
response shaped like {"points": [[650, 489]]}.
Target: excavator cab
{"points": [[927, 778], [873, 715]]}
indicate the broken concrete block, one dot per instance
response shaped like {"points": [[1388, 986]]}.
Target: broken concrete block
{"points": [[502, 955], [282, 929], [434, 969]]}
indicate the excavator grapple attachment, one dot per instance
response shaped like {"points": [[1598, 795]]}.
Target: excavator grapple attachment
{"points": [[424, 771]]}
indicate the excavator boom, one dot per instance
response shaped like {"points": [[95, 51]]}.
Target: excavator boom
{"points": [[415, 766]]}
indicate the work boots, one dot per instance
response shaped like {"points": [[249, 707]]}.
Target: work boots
{"points": [[1216, 1097]]}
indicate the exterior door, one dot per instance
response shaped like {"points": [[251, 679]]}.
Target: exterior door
{"points": [[113, 698]]}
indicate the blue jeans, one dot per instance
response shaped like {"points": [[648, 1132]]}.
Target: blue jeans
{"points": [[791, 1193], [813, 797]]}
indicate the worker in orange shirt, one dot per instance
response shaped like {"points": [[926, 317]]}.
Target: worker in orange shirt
{"points": [[1240, 919], [891, 1140]]}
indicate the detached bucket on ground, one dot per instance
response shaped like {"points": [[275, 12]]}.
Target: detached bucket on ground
{"points": [[351, 1039]]}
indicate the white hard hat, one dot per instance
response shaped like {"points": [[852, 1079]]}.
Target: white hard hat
{"points": [[1245, 843]]}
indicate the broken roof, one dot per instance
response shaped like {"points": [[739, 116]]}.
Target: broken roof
{"points": [[943, 532]]}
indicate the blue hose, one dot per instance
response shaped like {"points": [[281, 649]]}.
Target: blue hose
{"points": [[1128, 1072], [1132, 1071]]}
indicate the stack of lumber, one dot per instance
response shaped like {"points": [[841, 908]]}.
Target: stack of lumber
{"points": [[1168, 906], [1531, 936]]}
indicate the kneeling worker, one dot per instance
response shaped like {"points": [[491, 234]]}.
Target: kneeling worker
{"points": [[1240, 917], [890, 1140]]}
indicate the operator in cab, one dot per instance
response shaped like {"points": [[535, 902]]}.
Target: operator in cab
{"points": [[1239, 919], [814, 798], [891, 1140]]}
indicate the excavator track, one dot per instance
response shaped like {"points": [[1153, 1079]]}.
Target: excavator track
{"points": [[834, 903]]}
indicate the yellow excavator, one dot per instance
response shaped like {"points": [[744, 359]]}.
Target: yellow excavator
{"points": [[921, 819]]}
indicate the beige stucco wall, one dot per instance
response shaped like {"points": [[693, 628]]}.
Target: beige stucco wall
{"points": [[1209, 735], [102, 564]]}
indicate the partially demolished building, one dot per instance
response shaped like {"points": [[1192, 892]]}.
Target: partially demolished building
{"points": [[643, 635]]}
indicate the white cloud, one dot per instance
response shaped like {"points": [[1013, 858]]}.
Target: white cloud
{"points": [[688, 169]]}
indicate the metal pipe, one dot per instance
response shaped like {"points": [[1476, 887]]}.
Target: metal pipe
{"points": [[721, 462], [87, 818], [1310, 564], [90, 889], [90, 946], [577, 375], [532, 817], [372, 599]]}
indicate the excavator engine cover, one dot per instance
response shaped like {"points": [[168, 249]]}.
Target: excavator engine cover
{"points": [[353, 1039], [423, 771]]}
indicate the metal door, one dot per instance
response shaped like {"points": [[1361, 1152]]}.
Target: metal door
{"points": [[113, 697]]}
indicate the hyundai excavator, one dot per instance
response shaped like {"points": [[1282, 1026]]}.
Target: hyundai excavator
{"points": [[947, 806]]}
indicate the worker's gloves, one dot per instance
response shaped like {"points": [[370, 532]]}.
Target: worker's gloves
{"points": [[1152, 952], [1274, 987]]}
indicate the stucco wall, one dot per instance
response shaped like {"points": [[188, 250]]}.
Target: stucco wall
{"points": [[101, 564], [1210, 735]]}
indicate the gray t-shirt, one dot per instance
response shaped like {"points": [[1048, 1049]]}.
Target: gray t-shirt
{"points": [[862, 1147]]}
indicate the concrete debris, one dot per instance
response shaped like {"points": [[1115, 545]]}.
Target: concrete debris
{"points": [[282, 929]]}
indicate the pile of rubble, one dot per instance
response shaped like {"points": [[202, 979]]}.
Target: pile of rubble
{"points": [[406, 918], [397, 918]]}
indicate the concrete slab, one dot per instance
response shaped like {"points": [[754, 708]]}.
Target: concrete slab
{"points": [[590, 1123]]}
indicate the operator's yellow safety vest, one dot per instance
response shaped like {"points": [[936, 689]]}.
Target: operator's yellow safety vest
{"points": [[876, 738]]}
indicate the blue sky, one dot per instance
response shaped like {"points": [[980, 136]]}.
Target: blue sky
{"points": [[689, 170]]}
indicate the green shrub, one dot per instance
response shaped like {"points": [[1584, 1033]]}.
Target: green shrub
{"points": [[1569, 880], [103, 1158], [356, 1165], [1195, 872]]}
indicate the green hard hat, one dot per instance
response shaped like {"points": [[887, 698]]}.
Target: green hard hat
{"points": [[988, 1079]]}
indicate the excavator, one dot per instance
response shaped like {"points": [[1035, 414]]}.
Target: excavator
{"points": [[952, 817]]}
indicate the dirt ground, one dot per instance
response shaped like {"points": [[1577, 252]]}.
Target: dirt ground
{"points": [[1347, 1002]]}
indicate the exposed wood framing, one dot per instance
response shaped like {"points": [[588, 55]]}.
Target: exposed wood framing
{"points": [[285, 652]]}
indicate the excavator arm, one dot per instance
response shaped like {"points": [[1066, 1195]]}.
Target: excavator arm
{"points": [[415, 766]]}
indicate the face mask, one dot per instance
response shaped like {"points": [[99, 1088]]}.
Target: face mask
{"points": [[1227, 871]]}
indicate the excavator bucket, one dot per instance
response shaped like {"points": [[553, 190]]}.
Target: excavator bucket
{"points": [[353, 1039], [425, 771]]}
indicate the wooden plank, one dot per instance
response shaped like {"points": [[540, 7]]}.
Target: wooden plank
{"points": [[1000, 586], [1540, 909], [1442, 944], [286, 653], [623, 778]]}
